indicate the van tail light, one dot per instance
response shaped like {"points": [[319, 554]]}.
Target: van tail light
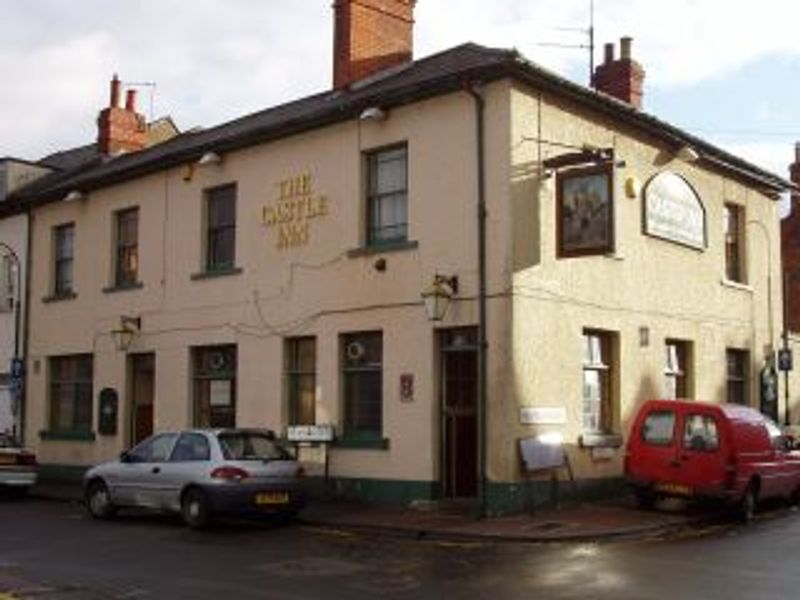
{"points": [[229, 474], [731, 467], [26, 459]]}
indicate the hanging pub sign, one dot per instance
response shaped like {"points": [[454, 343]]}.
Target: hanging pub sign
{"points": [[291, 213], [673, 211]]}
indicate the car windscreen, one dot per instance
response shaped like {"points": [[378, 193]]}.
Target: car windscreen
{"points": [[244, 445]]}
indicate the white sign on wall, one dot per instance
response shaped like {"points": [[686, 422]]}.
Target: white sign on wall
{"points": [[310, 433], [542, 415], [673, 211]]}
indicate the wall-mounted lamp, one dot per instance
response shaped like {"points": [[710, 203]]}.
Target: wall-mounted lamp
{"points": [[74, 196], [373, 113], [209, 158], [687, 154], [437, 296], [129, 327]]}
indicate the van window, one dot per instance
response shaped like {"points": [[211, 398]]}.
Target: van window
{"points": [[700, 433], [658, 428]]}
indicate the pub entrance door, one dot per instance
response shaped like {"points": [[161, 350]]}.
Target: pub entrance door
{"points": [[143, 379], [458, 349]]}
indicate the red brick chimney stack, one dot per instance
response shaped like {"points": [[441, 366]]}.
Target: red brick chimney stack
{"points": [[120, 129], [370, 36], [622, 78]]}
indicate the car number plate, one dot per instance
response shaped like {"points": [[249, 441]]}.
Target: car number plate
{"points": [[674, 488], [272, 498]]}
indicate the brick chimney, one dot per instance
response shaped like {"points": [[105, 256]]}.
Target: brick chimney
{"points": [[370, 36], [120, 129], [790, 250], [623, 78]]}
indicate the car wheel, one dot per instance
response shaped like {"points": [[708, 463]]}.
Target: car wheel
{"points": [[645, 499], [748, 504], [194, 508], [98, 501]]}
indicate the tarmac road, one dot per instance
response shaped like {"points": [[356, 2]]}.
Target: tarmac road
{"points": [[50, 551]]}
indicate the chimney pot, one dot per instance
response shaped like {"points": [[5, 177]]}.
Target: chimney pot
{"points": [[609, 55], [115, 89], [130, 101], [625, 47]]}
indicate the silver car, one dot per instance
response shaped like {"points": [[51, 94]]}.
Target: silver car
{"points": [[18, 467], [199, 473]]}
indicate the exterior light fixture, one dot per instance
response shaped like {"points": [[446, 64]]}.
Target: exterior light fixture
{"points": [[373, 113], [687, 154], [74, 196], [209, 158], [438, 295], [129, 327]]}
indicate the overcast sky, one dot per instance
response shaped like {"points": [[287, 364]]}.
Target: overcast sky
{"points": [[725, 70]]}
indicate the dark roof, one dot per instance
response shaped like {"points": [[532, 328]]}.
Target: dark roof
{"points": [[441, 73], [67, 160]]}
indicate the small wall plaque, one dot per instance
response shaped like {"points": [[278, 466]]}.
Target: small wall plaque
{"points": [[543, 415]]}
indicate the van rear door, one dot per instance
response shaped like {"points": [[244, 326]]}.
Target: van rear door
{"points": [[653, 449]]}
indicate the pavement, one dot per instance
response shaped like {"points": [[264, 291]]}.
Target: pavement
{"points": [[617, 518]]}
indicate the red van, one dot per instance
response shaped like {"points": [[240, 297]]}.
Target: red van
{"points": [[700, 450]]}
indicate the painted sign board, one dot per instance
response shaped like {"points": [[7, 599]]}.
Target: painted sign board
{"points": [[673, 211], [310, 433], [543, 415]]}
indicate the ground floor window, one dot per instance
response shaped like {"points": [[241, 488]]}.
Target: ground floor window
{"points": [[676, 369], [301, 379], [738, 362], [598, 371], [362, 374], [71, 393], [214, 375]]}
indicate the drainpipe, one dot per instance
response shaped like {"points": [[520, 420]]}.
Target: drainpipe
{"points": [[475, 91]]}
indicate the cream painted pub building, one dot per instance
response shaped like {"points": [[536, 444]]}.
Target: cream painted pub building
{"points": [[270, 271]]}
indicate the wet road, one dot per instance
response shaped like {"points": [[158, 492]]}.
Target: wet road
{"points": [[49, 550]]}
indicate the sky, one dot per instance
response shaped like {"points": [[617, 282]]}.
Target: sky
{"points": [[726, 70]]}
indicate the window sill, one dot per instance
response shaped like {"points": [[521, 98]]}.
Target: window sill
{"points": [[66, 436], [127, 287], [736, 285], [382, 248], [213, 273], [362, 443], [60, 297], [600, 440]]}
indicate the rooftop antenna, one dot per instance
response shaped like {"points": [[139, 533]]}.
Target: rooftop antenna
{"points": [[589, 33], [151, 87]]}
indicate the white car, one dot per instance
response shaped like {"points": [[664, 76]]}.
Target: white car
{"points": [[19, 469], [199, 473]]}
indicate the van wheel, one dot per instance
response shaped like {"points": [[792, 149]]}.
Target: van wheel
{"points": [[645, 499], [748, 504], [194, 509], [98, 500]]}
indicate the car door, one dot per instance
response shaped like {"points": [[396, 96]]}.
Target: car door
{"points": [[139, 480], [189, 463], [702, 458]]}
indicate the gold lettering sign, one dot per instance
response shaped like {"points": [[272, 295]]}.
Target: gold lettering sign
{"points": [[291, 212]]}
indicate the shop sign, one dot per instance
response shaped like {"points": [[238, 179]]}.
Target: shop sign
{"points": [[543, 415], [291, 213], [673, 211], [310, 433]]}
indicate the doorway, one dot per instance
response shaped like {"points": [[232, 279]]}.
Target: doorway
{"points": [[458, 359], [143, 379]]}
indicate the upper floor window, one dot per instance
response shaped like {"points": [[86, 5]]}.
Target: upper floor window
{"points": [[127, 255], [63, 255], [8, 281], [221, 228], [733, 228], [387, 196]]}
